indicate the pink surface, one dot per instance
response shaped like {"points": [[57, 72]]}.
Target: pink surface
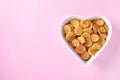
{"points": [[31, 47]]}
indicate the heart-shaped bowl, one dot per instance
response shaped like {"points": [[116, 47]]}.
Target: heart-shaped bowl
{"points": [[67, 19]]}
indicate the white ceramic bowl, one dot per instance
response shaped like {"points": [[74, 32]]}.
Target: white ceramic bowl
{"points": [[67, 19]]}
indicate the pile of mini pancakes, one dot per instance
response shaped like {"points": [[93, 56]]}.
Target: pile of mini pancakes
{"points": [[85, 36]]}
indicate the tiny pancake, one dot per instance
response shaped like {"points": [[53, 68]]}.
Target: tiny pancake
{"points": [[85, 23], [101, 41], [71, 26], [88, 42], [67, 28], [100, 22], [96, 46], [80, 49], [102, 29], [78, 30], [95, 28], [75, 42], [94, 37], [85, 56], [91, 51], [85, 35], [75, 22], [81, 39], [70, 36]]}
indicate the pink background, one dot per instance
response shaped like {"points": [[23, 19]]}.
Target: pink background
{"points": [[31, 47]]}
